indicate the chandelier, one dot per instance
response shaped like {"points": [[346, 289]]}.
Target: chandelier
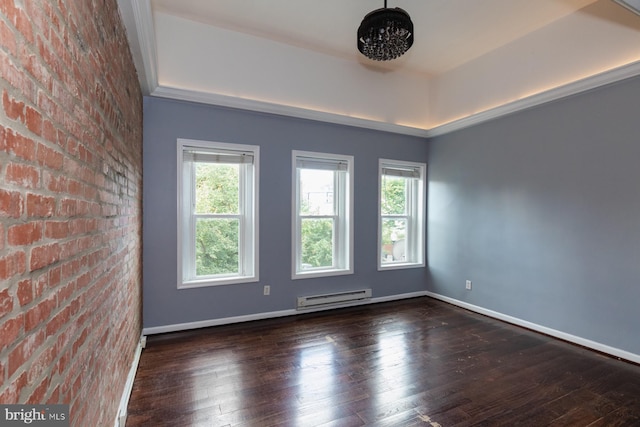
{"points": [[385, 34]]}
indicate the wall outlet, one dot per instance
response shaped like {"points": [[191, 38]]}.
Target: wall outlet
{"points": [[468, 285], [266, 290]]}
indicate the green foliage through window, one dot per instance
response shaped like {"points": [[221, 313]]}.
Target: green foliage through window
{"points": [[217, 244], [317, 243]]}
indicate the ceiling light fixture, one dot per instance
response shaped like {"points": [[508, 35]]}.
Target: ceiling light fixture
{"points": [[385, 34]]}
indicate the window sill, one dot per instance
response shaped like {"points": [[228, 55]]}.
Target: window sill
{"points": [[205, 283], [320, 273], [400, 266]]}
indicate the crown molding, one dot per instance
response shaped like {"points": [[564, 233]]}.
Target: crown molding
{"points": [[570, 89], [137, 17], [283, 110], [147, 39]]}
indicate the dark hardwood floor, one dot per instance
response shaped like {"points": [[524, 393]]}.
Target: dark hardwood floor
{"points": [[415, 362]]}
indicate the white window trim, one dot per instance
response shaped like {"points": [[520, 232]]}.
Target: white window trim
{"points": [[251, 239], [348, 217], [417, 228]]}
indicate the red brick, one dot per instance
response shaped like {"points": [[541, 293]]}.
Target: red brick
{"points": [[40, 284], [10, 203], [49, 131], [65, 292], [20, 145], [13, 264], [9, 9], [10, 330], [37, 397], [23, 24], [40, 364], [83, 280], [57, 184], [25, 292], [79, 341], [68, 207], [24, 234], [13, 75], [3, 140], [12, 108], [53, 278], [34, 120], [38, 314], [8, 38], [75, 188], [42, 256], [40, 206], [12, 393], [24, 351], [6, 302], [54, 397], [48, 157], [56, 323], [2, 238], [22, 175], [56, 229]]}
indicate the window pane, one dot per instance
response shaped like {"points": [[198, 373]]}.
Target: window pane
{"points": [[394, 242], [393, 195], [317, 243], [217, 188], [316, 192], [217, 246]]}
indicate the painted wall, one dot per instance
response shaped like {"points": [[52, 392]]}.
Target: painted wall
{"points": [[167, 120], [541, 210], [70, 207]]}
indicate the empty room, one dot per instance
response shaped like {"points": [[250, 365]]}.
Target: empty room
{"points": [[296, 213]]}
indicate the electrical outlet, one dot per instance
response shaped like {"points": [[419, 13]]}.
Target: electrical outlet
{"points": [[468, 285], [267, 290]]}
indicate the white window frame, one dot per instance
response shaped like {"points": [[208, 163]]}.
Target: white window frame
{"points": [[415, 214], [343, 224], [248, 215]]}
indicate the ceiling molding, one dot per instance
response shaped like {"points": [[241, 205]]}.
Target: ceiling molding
{"points": [[284, 110], [574, 88], [137, 16], [147, 36]]}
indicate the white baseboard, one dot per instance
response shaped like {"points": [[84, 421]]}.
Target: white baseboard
{"points": [[121, 416], [616, 352], [269, 315]]}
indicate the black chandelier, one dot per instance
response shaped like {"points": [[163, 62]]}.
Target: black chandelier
{"points": [[385, 34]]}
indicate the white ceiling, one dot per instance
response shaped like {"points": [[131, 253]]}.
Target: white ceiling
{"points": [[471, 59]]}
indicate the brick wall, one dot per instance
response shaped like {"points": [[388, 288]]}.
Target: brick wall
{"points": [[70, 206]]}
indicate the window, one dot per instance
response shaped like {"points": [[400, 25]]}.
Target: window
{"points": [[322, 234], [217, 213], [401, 214]]}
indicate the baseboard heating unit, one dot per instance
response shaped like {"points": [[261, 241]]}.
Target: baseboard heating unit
{"points": [[316, 301]]}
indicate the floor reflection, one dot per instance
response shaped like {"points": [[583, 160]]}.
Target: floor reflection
{"points": [[221, 383], [393, 363], [316, 382]]}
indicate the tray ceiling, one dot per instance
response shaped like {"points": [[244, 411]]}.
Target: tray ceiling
{"points": [[471, 60]]}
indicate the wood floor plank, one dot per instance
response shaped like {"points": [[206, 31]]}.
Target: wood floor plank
{"points": [[416, 362]]}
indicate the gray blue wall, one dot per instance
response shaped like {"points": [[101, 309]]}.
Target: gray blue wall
{"points": [[166, 120], [541, 210]]}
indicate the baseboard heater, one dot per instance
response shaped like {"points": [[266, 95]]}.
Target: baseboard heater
{"points": [[314, 301]]}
